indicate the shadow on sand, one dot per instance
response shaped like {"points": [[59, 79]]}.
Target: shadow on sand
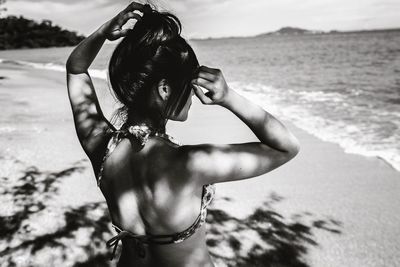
{"points": [[25, 233], [264, 238]]}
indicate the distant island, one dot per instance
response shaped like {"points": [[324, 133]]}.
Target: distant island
{"points": [[19, 32], [300, 31], [290, 31]]}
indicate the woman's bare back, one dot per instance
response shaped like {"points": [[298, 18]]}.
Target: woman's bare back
{"points": [[146, 196]]}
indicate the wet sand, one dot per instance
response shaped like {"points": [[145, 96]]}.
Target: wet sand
{"points": [[324, 208]]}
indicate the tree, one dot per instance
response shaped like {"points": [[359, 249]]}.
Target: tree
{"points": [[19, 32], [2, 9]]}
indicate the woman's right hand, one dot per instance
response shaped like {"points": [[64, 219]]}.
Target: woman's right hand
{"points": [[214, 83], [112, 29]]}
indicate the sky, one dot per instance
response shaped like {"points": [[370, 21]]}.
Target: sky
{"points": [[221, 18]]}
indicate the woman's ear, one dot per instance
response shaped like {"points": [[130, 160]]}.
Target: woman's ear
{"points": [[164, 90]]}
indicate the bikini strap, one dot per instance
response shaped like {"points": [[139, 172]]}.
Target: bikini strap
{"points": [[116, 137], [139, 244], [141, 132], [140, 240]]}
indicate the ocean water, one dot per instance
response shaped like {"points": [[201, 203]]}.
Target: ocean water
{"points": [[342, 88]]}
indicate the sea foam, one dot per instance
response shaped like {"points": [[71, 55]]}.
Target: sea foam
{"points": [[96, 73], [350, 136]]}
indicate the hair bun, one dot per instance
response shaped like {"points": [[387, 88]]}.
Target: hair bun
{"points": [[147, 9], [155, 28]]}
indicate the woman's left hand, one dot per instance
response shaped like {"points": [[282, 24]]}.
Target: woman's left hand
{"points": [[112, 29]]}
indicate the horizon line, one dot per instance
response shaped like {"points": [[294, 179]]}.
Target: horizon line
{"points": [[332, 31]]}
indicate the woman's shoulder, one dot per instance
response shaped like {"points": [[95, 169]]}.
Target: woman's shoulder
{"points": [[162, 154], [156, 154], [157, 158]]}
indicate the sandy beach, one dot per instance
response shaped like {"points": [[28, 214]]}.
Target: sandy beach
{"points": [[324, 208]]}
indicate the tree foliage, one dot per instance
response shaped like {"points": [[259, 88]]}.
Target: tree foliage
{"points": [[19, 32], [2, 9]]}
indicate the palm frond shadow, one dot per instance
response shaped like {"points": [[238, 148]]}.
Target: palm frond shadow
{"points": [[264, 238], [31, 194]]}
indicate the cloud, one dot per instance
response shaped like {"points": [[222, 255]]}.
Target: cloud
{"points": [[81, 16], [203, 18], [69, 2]]}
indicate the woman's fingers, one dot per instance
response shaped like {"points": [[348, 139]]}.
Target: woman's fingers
{"points": [[128, 16], [206, 75], [122, 33], [209, 70], [204, 83], [199, 93], [119, 32], [214, 82], [133, 6], [199, 83]]}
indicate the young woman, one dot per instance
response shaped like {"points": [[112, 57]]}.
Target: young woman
{"points": [[157, 190]]}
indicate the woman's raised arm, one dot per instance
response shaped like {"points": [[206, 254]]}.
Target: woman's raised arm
{"points": [[90, 123], [211, 163]]}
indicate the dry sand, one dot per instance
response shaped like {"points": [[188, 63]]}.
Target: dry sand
{"points": [[324, 208]]}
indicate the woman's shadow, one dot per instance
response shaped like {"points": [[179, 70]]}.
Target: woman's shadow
{"points": [[264, 238]]}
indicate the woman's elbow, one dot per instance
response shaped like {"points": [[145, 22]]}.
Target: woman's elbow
{"points": [[74, 67], [294, 148], [68, 66]]}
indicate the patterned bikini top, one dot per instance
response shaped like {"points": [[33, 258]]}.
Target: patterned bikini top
{"points": [[142, 133]]}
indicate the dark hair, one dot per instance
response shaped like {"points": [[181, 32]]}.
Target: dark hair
{"points": [[152, 50]]}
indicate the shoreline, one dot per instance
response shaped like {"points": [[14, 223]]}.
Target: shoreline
{"points": [[100, 76], [355, 197]]}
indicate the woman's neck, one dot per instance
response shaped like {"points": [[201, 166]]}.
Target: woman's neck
{"points": [[153, 124]]}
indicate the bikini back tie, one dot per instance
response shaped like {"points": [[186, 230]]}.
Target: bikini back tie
{"points": [[142, 133]]}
